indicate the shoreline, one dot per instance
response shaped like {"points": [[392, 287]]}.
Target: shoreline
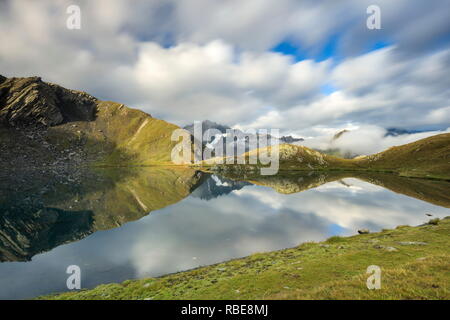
{"points": [[414, 261]]}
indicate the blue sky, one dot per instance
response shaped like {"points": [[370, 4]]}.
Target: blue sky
{"points": [[329, 50]]}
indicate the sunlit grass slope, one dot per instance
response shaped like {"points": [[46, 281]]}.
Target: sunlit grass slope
{"points": [[413, 261], [120, 136], [427, 158], [291, 157]]}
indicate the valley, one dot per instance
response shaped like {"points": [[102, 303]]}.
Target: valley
{"points": [[80, 173]]}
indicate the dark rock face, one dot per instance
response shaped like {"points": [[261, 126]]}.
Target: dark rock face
{"points": [[30, 101], [25, 232], [28, 108], [30, 220], [75, 105]]}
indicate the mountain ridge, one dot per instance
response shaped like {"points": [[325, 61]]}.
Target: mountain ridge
{"points": [[43, 124], [425, 158]]}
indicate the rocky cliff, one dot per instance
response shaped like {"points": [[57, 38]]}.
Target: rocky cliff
{"points": [[30, 101]]}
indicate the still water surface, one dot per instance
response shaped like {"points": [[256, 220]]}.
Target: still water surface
{"points": [[159, 221]]}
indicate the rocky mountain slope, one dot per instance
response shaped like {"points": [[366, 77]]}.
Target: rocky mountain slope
{"points": [[43, 124], [206, 125], [290, 139], [228, 138]]}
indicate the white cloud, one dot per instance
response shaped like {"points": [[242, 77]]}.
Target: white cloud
{"points": [[174, 61], [189, 81], [380, 88], [364, 140], [257, 219]]}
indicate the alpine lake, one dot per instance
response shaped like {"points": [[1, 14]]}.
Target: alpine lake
{"points": [[117, 224]]}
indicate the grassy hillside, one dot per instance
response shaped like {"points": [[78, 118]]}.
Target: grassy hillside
{"points": [[427, 158], [435, 191], [43, 124], [291, 157], [413, 261], [119, 136]]}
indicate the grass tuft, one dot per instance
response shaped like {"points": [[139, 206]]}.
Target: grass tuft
{"points": [[336, 239], [434, 221]]}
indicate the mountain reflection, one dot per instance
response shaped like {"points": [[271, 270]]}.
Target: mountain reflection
{"points": [[198, 219], [433, 191], [215, 186], [57, 210]]}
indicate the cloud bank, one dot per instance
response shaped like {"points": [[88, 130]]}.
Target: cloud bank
{"points": [[363, 140]]}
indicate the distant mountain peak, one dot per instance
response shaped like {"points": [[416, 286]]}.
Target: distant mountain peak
{"points": [[339, 134], [394, 132], [290, 139], [206, 125]]}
